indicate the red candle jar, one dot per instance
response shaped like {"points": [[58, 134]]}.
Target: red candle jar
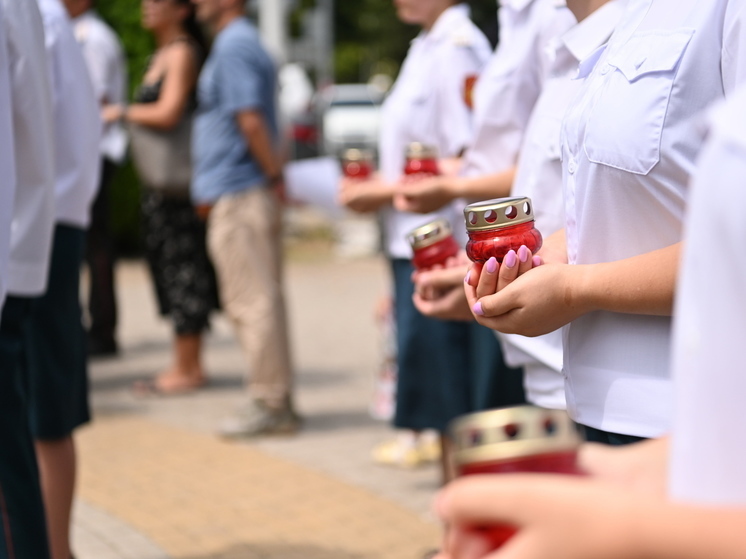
{"points": [[498, 226], [357, 164], [523, 439], [432, 244], [421, 160]]}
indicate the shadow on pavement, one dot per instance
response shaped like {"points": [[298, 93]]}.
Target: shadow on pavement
{"points": [[280, 551]]}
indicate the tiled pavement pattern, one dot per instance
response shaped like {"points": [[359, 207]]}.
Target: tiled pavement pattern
{"points": [[156, 484]]}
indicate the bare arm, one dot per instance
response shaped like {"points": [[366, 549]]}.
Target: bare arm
{"points": [[259, 142], [430, 194], [179, 80]]}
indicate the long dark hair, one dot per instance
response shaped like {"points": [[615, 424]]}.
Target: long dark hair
{"points": [[193, 29]]}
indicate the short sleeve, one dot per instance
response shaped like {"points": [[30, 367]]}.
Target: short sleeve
{"points": [[460, 67], [239, 77], [734, 47]]}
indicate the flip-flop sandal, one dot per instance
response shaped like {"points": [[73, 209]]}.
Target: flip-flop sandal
{"points": [[151, 389]]}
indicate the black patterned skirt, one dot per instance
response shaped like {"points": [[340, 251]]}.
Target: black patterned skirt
{"points": [[176, 252]]}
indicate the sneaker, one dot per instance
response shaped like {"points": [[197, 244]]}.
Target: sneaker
{"points": [[256, 418], [405, 453]]}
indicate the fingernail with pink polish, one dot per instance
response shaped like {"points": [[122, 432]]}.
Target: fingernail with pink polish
{"points": [[537, 261], [523, 253], [511, 259], [478, 309], [491, 265], [468, 276]]}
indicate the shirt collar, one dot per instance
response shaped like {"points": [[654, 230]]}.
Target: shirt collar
{"points": [[586, 37]]}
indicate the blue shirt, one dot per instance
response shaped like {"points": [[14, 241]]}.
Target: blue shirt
{"points": [[238, 75]]}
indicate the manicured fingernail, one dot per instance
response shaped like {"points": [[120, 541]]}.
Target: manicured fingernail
{"points": [[491, 265], [478, 309], [510, 259], [536, 261], [523, 253], [468, 275]]}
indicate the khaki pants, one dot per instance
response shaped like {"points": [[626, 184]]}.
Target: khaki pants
{"points": [[244, 242]]}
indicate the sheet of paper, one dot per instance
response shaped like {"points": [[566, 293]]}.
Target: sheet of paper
{"points": [[315, 182]]}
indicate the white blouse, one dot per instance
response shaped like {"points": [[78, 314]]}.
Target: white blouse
{"points": [[708, 458], [428, 104], [31, 98], [507, 90], [628, 146], [539, 177], [76, 115]]}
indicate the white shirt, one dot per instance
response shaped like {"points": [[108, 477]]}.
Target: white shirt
{"points": [[427, 104], [7, 162], [104, 57], [33, 209], [507, 90], [628, 148], [77, 123], [708, 457], [539, 177]]}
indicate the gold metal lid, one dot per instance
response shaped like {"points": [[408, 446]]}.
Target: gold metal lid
{"points": [[355, 154], [500, 212], [512, 433], [416, 150], [429, 234]]}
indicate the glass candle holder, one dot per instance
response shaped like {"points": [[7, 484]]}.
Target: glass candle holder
{"points": [[523, 439], [432, 244], [496, 227], [421, 160], [357, 164]]}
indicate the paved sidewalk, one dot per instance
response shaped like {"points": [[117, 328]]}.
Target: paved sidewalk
{"points": [[157, 484]]}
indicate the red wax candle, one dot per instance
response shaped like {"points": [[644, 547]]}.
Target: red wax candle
{"points": [[515, 440], [496, 227], [357, 164], [421, 160], [432, 244]]}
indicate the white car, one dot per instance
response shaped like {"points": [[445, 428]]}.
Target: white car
{"points": [[350, 118]]}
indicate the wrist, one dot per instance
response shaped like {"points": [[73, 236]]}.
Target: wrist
{"points": [[123, 113], [582, 288], [456, 187]]}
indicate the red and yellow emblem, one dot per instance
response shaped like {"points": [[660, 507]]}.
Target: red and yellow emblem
{"points": [[469, 84]]}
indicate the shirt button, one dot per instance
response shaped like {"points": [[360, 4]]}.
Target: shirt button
{"points": [[572, 166], [605, 69]]}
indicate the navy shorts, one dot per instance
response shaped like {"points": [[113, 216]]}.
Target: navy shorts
{"points": [[55, 351]]}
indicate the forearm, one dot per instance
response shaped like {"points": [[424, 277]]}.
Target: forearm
{"points": [[643, 284], [682, 532], [260, 145], [484, 187], [153, 115]]}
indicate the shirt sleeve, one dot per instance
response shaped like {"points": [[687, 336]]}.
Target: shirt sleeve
{"points": [[734, 47], [459, 66], [240, 79]]}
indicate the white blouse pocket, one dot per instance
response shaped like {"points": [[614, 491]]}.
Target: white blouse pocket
{"points": [[626, 121]]}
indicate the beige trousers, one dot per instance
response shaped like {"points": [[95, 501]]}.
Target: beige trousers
{"points": [[244, 242]]}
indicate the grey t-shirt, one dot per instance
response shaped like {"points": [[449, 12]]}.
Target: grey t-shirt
{"points": [[238, 75]]}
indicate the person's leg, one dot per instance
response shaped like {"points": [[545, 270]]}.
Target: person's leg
{"points": [[23, 533], [56, 364], [57, 470], [244, 244], [102, 305]]}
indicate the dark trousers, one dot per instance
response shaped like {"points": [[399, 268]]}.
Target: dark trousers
{"points": [[23, 531], [102, 305], [593, 435]]}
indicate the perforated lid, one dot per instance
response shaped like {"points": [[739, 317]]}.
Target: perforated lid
{"points": [[417, 150], [512, 433], [500, 212], [430, 233], [355, 154]]}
